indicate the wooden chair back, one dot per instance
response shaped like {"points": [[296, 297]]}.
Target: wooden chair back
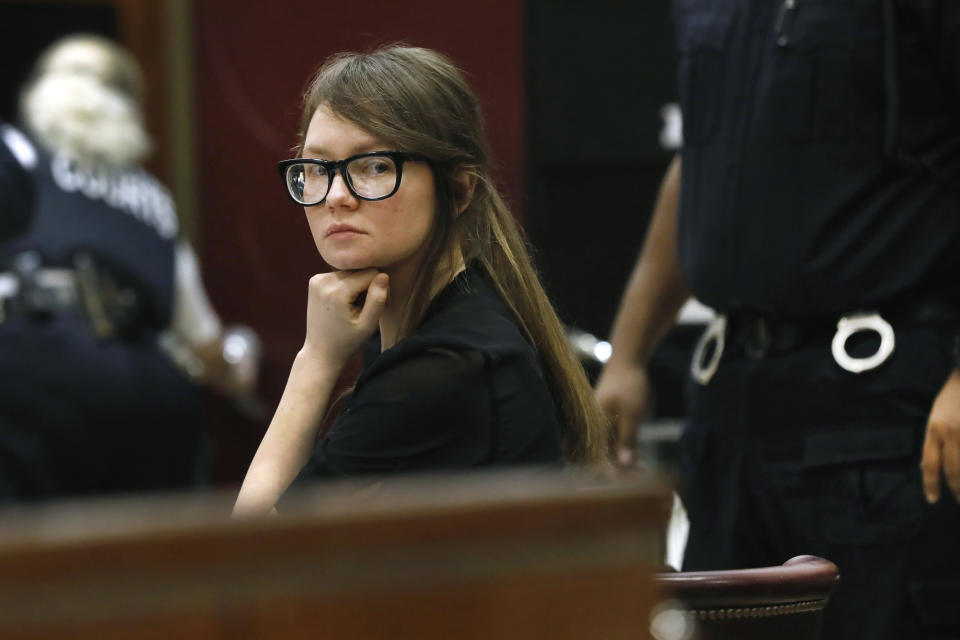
{"points": [[770, 603]]}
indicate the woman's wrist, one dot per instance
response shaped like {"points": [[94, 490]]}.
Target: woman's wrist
{"points": [[313, 373], [319, 361]]}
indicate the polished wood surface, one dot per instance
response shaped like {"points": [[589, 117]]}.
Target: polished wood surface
{"points": [[507, 555], [783, 602]]}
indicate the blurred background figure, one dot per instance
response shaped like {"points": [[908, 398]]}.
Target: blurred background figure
{"points": [[106, 329]]}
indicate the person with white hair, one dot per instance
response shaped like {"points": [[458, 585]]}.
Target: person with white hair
{"points": [[105, 327]]}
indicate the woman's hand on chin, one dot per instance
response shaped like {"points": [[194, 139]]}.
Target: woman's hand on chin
{"points": [[343, 311]]}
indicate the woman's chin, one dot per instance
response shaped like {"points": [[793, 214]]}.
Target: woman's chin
{"points": [[345, 263]]}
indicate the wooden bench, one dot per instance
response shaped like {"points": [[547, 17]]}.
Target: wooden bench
{"points": [[522, 554]]}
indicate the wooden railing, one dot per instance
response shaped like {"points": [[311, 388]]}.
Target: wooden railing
{"points": [[508, 555]]}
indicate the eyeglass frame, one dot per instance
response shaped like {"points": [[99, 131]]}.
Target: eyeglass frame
{"points": [[339, 166]]}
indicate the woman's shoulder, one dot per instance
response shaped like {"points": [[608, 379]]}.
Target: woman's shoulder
{"points": [[433, 370], [467, 324], [469, 314]]}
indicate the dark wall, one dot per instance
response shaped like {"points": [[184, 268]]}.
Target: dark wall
{"points": [[29, 27], [598, 75]]}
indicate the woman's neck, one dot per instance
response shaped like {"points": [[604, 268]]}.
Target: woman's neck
{"points": [[402, 283]]}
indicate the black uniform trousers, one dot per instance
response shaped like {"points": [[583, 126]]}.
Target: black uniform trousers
{"points": [[83, 416], [789, 454]]}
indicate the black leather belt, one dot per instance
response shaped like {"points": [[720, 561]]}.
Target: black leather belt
{"points": [[759, 335]]}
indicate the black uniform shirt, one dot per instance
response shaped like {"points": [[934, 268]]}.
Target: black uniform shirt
{"points": [[463, 390], [120, 216], [813, 181], [16, 191]]}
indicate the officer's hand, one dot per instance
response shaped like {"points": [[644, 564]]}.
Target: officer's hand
{"points": [[941, 446], [343, 311], [623, 392]]}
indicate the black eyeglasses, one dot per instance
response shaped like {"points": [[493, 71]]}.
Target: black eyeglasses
{"points": [[368, 176]]}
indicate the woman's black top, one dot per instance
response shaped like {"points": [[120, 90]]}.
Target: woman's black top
{"points": [[463, 390]]}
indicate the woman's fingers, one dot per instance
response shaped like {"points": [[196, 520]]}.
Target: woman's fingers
{"points": [[376, 298], [347, 287], [343, 311]]}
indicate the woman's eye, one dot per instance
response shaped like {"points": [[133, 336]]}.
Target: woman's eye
{"points": [[315, 170], [372, 167], [378, 167]]}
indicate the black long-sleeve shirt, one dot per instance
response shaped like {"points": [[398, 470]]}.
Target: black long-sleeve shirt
{"points": [[463, 390], [821, 157]]}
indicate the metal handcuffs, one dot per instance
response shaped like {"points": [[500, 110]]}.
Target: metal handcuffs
{"points": [[716, 333], [853, 324], [847, 326]]}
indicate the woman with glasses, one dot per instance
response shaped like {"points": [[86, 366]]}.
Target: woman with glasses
{"points": [[470, 366]]}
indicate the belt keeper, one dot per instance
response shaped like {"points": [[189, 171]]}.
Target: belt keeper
{"points": [[759, 338]]}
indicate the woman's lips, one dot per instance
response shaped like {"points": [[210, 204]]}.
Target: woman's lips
{"points": [[341, 229]]}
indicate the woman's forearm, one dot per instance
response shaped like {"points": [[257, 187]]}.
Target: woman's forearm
{"points": [[291, 436]]}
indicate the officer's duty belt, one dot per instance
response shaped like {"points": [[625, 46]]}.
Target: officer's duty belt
{"points": [[52, 291], [37, 293], [758, 336]]}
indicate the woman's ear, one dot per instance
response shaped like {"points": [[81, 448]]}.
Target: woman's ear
{"points": [[464, 183]]}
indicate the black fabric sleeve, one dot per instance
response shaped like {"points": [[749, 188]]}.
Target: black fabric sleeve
{"points": [[950, 24], [940, 26], [16, 195], [433, 411]]}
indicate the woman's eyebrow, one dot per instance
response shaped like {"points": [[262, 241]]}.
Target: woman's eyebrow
{"points": [[315, 151], [372, 145]]}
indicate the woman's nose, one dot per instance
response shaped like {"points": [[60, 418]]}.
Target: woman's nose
{"points": [[339, 194]]}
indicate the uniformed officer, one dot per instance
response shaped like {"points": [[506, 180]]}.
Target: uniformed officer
{"points": [[816, 208], [101, 298]]}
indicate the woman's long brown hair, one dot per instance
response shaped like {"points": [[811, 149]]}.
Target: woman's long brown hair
{"points": [[417, 100]]}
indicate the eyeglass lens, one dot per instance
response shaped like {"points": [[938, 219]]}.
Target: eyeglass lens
{"points": [[368, 177]]}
